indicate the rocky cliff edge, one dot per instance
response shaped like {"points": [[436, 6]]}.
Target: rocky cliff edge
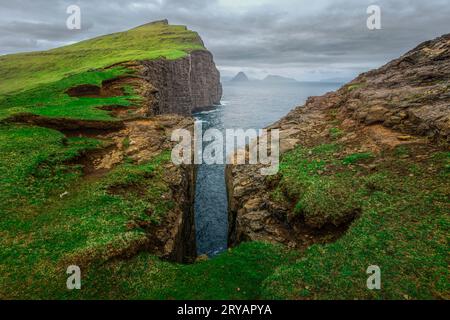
{"points": [[334, 143]]}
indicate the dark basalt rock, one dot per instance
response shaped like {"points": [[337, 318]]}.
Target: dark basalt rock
{"points": [[183, 85]]}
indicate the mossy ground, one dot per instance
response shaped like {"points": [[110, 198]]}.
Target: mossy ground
{"points": [[42, 233], [42, 230], [403, 225], [236, 274], [52, 101], [403, 228]]}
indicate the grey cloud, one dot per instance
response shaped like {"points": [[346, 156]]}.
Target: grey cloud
{"points": [[320, 39], [39, 31]]}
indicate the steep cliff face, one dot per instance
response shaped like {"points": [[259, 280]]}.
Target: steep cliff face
{"points": [[184, 85], [334, 142], [173, 237]]}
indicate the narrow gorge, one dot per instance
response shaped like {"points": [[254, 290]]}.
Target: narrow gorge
{"points": [[88, 179]]}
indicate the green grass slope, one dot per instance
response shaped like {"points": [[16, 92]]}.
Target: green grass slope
{"points": [[36, 82], [39, 230], [51, 100], [403, 226], [41, 233], [151, 41]]}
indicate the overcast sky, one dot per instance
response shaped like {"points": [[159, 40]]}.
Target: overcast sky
{"points": [[304, 39]]}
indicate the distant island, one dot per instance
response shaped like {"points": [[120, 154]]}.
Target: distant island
{"points": [[241, 77], [278, 79]]}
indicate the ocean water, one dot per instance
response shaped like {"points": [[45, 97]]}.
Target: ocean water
{"points": [[244, 106]]}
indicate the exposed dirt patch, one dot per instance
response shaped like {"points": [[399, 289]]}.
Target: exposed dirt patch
{"points": [[121, 112], [85, 90], [98, 163], [66, 124], [109, 88], [385, 138], [306, 235], [143, 107], [127, 189]]}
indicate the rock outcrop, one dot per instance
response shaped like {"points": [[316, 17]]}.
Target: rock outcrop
{"points": [[184, 85], [174, 237], [404, 102], [410, 94]]}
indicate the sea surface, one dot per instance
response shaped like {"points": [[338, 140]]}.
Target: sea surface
{"points": [[244, 106]]}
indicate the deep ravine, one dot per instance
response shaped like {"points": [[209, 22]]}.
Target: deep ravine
{"points": [[244, 106]]}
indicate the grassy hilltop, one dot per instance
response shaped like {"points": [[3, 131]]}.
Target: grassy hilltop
{"points": [[27, 70], [36, 82]]}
